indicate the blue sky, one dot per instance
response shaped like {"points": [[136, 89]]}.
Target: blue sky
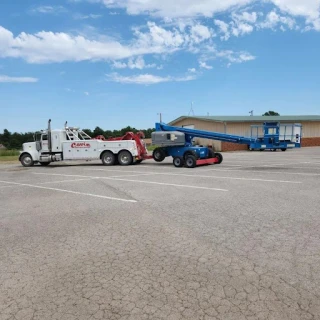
{"points": [[114, 63]]}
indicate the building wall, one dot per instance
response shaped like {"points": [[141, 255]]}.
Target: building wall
{"points": [[310, 132], [204, 125]]}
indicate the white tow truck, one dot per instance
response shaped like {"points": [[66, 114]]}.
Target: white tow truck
{"points": [[72, 143]]}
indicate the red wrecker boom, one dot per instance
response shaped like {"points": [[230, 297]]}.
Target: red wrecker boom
{"points": [[137, 137]]}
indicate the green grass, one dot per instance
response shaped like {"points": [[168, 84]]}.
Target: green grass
{"points": [[151, 148], [9, 155]]}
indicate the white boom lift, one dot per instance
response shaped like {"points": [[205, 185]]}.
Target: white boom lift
{"points": [[72, 143]]}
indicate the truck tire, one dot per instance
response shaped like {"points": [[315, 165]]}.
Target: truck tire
{"points": [[219, 156], [26, 160], [108, 158], [125, 158], [283, 149], [191, 161], [178, 162], [159, 154]]}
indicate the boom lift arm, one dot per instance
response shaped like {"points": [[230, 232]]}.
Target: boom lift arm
{"points": [[193, 133]]}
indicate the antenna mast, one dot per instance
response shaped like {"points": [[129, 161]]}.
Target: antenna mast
{"points": [[191, 109]]}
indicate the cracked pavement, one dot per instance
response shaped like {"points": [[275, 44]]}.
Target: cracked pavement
{"points": [[250, 253]]}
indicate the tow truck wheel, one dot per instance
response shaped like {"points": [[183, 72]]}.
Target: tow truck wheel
{"points": [[125, 158], [158, 154], [191, 161], [220, 157], [178, 162], [26, 160], [108, 158]]}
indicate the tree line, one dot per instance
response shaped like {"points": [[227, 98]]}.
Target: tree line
{"points": [[15, 140]]}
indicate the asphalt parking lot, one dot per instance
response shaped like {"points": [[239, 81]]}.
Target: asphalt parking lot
{"points": [[240, 240]]}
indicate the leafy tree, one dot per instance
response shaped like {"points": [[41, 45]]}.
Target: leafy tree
{"points": [[6, 138], [98, 131], [271, 113], [88, 132]]}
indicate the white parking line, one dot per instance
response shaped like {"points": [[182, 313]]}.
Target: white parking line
{"points": [[202, 176], [263, 172], [132, 175], [49, 182], [139, 181], [68, 191]]}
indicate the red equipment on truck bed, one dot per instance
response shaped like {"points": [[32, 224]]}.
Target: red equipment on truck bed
{"points": [[137, 137]]}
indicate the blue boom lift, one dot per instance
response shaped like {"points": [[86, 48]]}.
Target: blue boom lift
{"points": [[177, 142]]}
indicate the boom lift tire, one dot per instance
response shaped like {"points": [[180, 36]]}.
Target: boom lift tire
{"points": [[178, 162], [191, 161], [220, 157], [210, 153], [108, 158], [190, 153], [125, 158], [159, 154], [26, 160]]}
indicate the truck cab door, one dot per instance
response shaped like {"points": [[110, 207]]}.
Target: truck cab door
{"points": [[44, 143]]}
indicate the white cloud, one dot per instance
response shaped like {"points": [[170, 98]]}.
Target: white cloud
{"points": [[49, 47], [79, 16], [192, 70], [119, 65], [241, 29], [8, 79], [250, 17], [207, 8], [200, 33], [158, 36], [234, 57], [224, 29], [212, 53], [203, 65], [273, 19], [177, 8], [306, 8], [137, 63], [48, 9], [86, 93], [168, 9], [147, 79]]}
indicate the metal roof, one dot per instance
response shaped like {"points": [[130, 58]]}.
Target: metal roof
{"points": [[249, 118]]}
